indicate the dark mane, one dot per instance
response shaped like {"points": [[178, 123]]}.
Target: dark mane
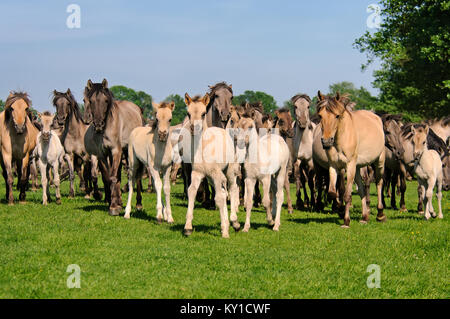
{"points": [[47, 113], [217, 86], [284, 110], [14, 96], [331, 105], [72, 102], [197, 98], [436, 143], [301, 96], [164, 105], [255, 106]]}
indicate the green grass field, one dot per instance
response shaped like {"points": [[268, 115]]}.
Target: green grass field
{"points": [[311, 256]]}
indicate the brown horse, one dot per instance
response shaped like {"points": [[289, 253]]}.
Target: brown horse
{"points": [[352, 140], [219, 107], [107, 137], [18, 140], [69, 120]]}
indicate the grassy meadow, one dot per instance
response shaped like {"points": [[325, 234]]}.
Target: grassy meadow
{"points": [[311, 256]]}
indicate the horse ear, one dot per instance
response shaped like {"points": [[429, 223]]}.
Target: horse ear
{"points": [[155, 105], [427, 129], [172, 105], [277, 113], [68, 91], [338, 96], [231, 86], [187, 99], [54, 92], [89, 84], [319, 96], [206, 99], [105, 83]]}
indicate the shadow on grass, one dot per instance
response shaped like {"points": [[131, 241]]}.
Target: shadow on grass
{"points": [[318, 219], [206, 229]]}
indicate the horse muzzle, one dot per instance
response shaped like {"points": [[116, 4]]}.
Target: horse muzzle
{"points": [[327, 142], [446, 186], [46, 136], [163, 136], [20, 129]]}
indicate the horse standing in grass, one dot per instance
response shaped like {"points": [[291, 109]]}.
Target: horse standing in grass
{"points": [[284, 123], [18, 140], [72, 131], [302, 147], [152, 147], [265, 159], [49, 153], [428, 169], [352, 140], [211, 151], [108, 135]]}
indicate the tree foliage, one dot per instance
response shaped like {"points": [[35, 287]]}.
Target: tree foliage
{"points": [[180, 111], [269, 103], [139, 98], [2, 105], [413, 44]]}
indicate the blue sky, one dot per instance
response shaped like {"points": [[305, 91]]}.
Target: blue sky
{"points": [[166, 47]]}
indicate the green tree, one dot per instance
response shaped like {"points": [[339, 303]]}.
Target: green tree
{"points": [[2, 105], [269, 103], [139, 98], [362, 97], [180, 111], [413, 44]]}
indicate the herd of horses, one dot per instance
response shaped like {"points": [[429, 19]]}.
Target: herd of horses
{"points": [[224, 152]]}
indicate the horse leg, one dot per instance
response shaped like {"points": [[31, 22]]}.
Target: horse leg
{"points": [[220, 197], [362, 191], [393, 184], [379, 172], [44, 181], [106, 181], [132, 172], [287, 188], [167, 211], [56, 180], [439, 196], [6, 173], [158, 185], [402, 176], [248, 200], [116, 200], [267, 200], [257, 199], [351, 171], [304, 178], [232, 173], [277, 189], [69, 161], [299, 204], [312, 187], [196, 179], [94, 176], [34, 176], [24, 169], [429, 210]]}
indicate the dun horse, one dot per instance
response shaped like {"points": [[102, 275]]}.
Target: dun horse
{"points": [[50, 154], [152, 147], [108, 135], [352, 140], [18, 140], [212, 156], [73, 129]]}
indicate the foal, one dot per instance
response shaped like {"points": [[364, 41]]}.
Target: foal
{"points": [[212, 156], [152, 147], [49, 153], [265, 159], [428, 168]]}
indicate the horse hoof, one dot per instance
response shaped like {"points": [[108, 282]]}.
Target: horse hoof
{"points": [[98, 196], [433, 215], [188, 232], [58, 201], [87, 196], [225, 235], [382, 219], [139, 207], [403, 210], [236, 225], [159, 221], [115, 211], [345, 226], [246, 229], [270, 222], [290, 211], [421, 212], [276, 228], [364, 222]]}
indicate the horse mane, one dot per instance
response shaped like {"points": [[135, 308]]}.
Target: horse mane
{"points": [[284, 110], [300, 96], [164, 105], [331, 105], [197, 98], [14, 96], [436, 143], [315, 118], [72, 102]]}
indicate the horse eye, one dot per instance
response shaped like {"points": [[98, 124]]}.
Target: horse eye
{"points": [[337, 116], [203, 114], [281, 122]]}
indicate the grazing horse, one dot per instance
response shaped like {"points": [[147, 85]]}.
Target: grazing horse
{"points": [[108, 135], [18, 140], [152, 147], [49, 153], [73, 129], [284, 124], [265, 160], [302, 147], [212, 156], [352, 140], [428, 169]]}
